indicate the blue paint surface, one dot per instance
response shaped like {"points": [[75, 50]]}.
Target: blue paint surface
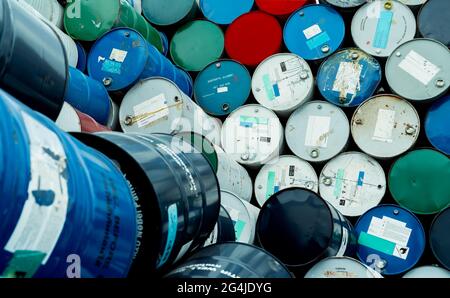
{"points": [[225, 12], [437, 124], [172, 226], [360, 179]]}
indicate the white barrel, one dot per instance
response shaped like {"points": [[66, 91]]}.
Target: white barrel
{"points": [[353, 183], [317, 131], [413, 3], [282, 83], [341, 267], [284, 172], [252, 135], [68, 119], [385, 126], [113, 119], [157, 105], [428, 272], [380, 26], [51, 10]]}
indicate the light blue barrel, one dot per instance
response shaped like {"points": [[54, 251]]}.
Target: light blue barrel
{"points": [[168, 12], [225, 12]]}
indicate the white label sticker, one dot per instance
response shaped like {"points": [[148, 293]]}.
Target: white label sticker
{"points": [[317, 131], [118, 55], [419, 67], [312, 31], [44, 212], [222, 89], [347, 79], [384, 126], [151, 110]]}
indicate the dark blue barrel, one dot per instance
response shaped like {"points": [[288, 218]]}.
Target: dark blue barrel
{"points": [[437, 124], [82, 57], [88, 96], [62, 202], [122, 56], [231, 260], [439, 237], [33, 63], [177, 194], [223, 230], [225, 12]]}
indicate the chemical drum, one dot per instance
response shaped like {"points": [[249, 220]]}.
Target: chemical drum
{"points": [[224, 12], [82, 57], [341, 267], [344, 4], [314, 32], [414, 4], [284, 172], [391, 239], [280, 8], [253, 37], [427, 272], [252, 135], [349, 77], [51, 10], [416, 181], [223, 230], [51, 187], [122, 57], [178, 203], [437, 123], [439, 240], [385, 126], [422, 63], [197, 44], [353, 183], [168, 12], [380, 26], [71, 120], [42, 59], [282, 83], [317, 131], [433, 20], [222, 86], [231, 260], [157, 105]]}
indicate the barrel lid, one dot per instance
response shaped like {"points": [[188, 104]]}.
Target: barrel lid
{"points": [[380, 26], [224, 12], [280, 7], [422, 63], [196, 44], [68, 119], [390, 238], [349, 77], [166, 12], [439, 240], [314, 32], [417, 181], [222, 86], [433, 20], [244, 226], [118, 58], [253, 37], [341, 267], [427, 272], [317, 131], [202, 144], [437, 124], [88, 20], [300, 218], [385, 126], [345, 3]]}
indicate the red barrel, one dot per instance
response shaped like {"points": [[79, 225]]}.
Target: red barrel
{"points": [[280, 8]]}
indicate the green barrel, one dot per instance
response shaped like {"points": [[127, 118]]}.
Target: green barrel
{"points": [[420, 181], [88, 20], [197, 44]]}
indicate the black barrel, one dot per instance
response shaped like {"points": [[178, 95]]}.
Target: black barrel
{"points": [[231, 260], [177, 194], [33, 63], [433, 20], [299, 227], [439, 237], [223, 230]]}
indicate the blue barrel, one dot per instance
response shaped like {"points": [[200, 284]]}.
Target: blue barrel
{"points": [[349, 77], [82, 57], [33, 63], [222, 87], [314, 32], [88, 96], [437, 124], [439, 240], [225, 12], [165, 42], [391, 239], [61, 201], [122, 57], [168, 12]]}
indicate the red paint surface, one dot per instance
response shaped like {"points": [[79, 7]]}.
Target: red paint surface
{"points": [[281, 7], [88, 124]]}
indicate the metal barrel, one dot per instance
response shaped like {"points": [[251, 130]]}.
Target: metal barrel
{"points": [[439, 241], [314, 32], [177, 194], [427, 272], [196, 44], [222, 86], [122, 57], [58, 186], [417, 175], [89, 20], [433, 18], [345, 5], [33, 70], [391, 239], [88, 96], [224, 12], [437, 123], [168, 12], [88, 124], [50, 10], [253, 37], [231, 260], [280, 8], [72, 120], [137, 5], [313, 228], [349, 77], [415, 5], [82, 57], [223, 230], [341, 267]]}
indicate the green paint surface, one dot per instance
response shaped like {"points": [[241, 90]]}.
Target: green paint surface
{"points": [[268, 87], [238, 228], [376, 243], [23, 264]]}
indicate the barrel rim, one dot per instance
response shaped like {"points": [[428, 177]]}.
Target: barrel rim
{"points": [[432, 246], [441, 101]]}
